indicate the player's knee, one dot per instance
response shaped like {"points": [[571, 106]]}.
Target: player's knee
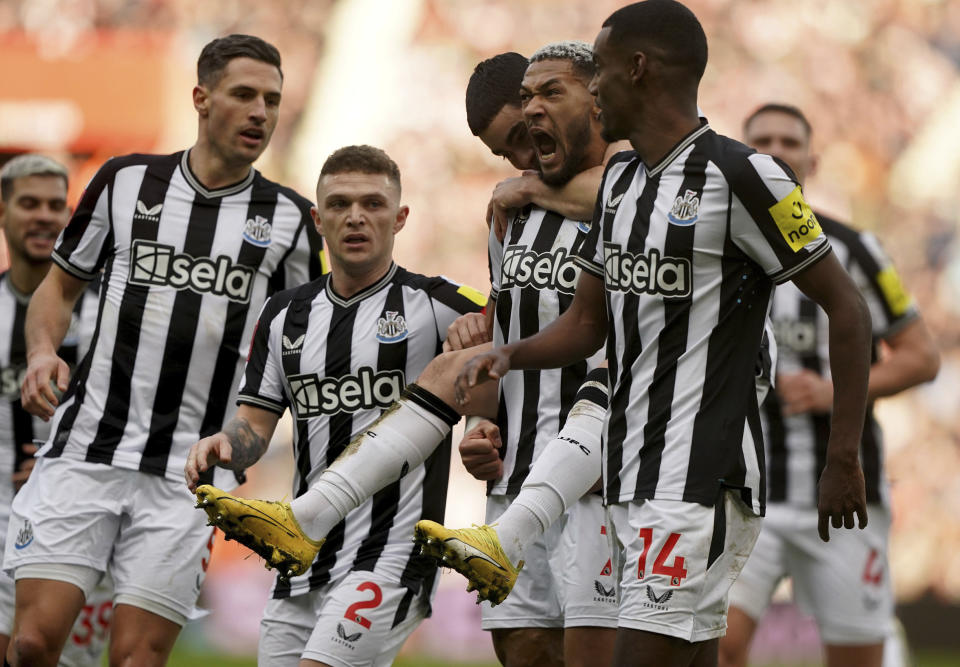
{"points": [[441, 371], [33, 647], [528, 648]]}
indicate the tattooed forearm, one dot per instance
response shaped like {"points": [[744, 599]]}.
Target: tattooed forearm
{"points": [[246, 444]]}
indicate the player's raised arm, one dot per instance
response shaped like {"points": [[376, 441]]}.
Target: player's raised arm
{"points": [[576, 334], [841, 485], [48, 318]]}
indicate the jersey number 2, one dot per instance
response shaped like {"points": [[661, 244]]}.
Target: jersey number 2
{"points": [[351, 613]]}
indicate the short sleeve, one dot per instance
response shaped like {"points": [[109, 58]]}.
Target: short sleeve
{"points": [[770, 221], [305, 261], [495, 262], [262, 382], [891, 306], [451, 300], [85, 244]]}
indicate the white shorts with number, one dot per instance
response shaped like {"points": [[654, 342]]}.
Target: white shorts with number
{"points": [[570, 576], [679, 560], [844, 583], [360, 621], [141, 528]]}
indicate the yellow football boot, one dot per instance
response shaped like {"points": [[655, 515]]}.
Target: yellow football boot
{"points": [[267, 528], [473, 552]]}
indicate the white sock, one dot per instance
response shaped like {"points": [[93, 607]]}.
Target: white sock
{"points": [[567, 468], [400, 440]]}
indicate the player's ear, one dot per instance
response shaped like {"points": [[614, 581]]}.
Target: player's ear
{"points": [[814, 163], [638, 66], [401, 218], [316, 220], [201, 100]]}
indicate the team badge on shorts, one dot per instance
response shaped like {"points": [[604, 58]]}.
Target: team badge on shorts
{"points": [[391, 328], [24, 536]]}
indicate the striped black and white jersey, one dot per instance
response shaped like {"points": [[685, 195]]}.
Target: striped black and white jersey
{"points": [[533, 276], [689, 250], [17, 426], [185, 271], [797, 444], [337, 363]]}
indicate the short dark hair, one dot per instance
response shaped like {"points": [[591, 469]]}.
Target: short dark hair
{"points": [[775, 107], [578, 54], [494, 84], [364, 159], [669, 27], [218, 53]]}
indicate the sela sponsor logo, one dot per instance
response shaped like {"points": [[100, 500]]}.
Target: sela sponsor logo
{"points": [[368, 389], [344, 639], [686, 209], [657, 601], [604, 594], [798, 335], [292, 346], [523, 267], [24, 536], [391, 328], [158, 264], [147, 213], [612, 203], [669, 277], [257, 231], [11, 378]]}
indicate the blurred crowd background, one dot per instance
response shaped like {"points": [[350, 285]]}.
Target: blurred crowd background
{"points": [[83, 80]]}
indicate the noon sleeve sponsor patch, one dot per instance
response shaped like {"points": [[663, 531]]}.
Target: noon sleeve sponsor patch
{"points": [[795, 220]]}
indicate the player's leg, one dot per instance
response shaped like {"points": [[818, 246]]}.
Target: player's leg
{"points": [[141, 637], [62, 528], [845, 584], [90, 635], [158, 566], [290, 535], [587, 571], [751, 593], [679, 560], [528, 647], [566, 469], [363, 621], [527, 627]]}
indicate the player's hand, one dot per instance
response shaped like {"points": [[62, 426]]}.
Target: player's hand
{"points": [[478, 451], [36, 394], [842, 494], [467, 331], [491, 365], [204, 455], [508, 196], [22, 473], [804, 391]]}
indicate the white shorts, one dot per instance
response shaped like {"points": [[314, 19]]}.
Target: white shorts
{"points": [[360, 621], [141, 528], [679, 560], [844, 583], [570, 576]]}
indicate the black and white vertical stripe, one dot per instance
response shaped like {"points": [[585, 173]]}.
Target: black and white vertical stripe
{"points": [[185, 271], [797, 444], [17, 426], [534, 277], [337, 364], [689, 251]]}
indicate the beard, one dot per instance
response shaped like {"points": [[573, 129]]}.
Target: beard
{"points": [[575, 142]]}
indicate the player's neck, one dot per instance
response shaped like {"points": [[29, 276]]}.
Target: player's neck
{"points": [[212, 170], [347, 283], [26, 276], [655, 136]]}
